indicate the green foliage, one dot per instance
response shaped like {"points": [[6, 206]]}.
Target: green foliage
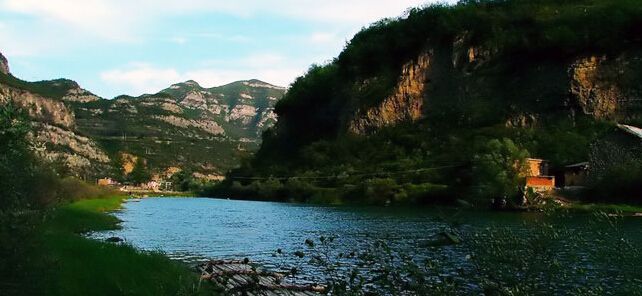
{"points": [[28, 186], [72, 189], [515, 90], [140, 174], [371, 63], [499, 169], [49, 88], [183, 181], [25, 182], [82, 266], [615, 168]]}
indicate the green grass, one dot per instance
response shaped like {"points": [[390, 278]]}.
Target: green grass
{"points": [[82, 266]]}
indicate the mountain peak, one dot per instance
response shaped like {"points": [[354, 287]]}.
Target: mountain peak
{"points": [[260, 84], [189, 83], [4, 65], [192, 83]]}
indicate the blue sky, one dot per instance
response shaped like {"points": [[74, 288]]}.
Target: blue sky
{"points": [[114, 47]]}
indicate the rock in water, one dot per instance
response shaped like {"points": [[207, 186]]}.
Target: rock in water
{"points": [[114, 239]]}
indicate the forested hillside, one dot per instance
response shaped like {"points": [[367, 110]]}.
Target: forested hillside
{"points": [[439, 104]]}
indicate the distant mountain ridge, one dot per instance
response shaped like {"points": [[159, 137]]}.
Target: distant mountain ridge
{"points": [[186, 126]]}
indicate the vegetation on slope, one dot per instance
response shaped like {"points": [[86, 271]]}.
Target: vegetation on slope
{"points": [[87, 267], [43, 251], [526, 48]]}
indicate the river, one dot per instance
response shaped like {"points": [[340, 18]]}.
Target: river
{"points": [[196, 229]]}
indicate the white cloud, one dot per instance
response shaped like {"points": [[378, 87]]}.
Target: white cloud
{"points": [[100, 17], [140, 78], [217, 77], [69, 28], [119, 18], [324, 38]]}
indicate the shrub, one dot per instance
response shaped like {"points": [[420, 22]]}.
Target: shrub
{"points": [[499, 168]]}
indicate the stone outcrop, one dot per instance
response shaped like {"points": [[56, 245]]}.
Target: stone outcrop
{"points": [[194, 99], [38, 107], [591, 90], [607, 87], [267, 118], [466, 57], [243, 113], [405, 104], [80, 95], [4, 65], [207, 126], [78, 153]]}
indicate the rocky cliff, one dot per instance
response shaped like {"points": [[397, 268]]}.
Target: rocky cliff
{"points": [[4, 65], [443, 85], [605, 87], [405, 104], [54, 137], [38, 107]]}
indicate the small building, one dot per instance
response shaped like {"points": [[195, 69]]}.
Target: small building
{"points": [[106, 182], [540, 183], [575, 174], [537, 167], [151, 185], [537, 177]]}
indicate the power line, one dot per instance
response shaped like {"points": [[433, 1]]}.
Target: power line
{"points": [[347, 175]]}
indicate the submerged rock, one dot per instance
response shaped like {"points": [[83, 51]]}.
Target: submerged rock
{"points": [[114, 239]]}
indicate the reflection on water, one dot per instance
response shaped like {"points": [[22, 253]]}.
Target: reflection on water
{"points": [[193, 229]]}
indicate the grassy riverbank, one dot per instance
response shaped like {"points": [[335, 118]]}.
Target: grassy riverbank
{"points": [[82, 266]]}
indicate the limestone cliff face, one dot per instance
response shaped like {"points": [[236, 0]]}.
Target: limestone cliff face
{"points": [[38, 107], [80, 154], [405, 104], [208, 126], [4, 65], [598, 85], [593, 93], [54, 136], [80, 95]]}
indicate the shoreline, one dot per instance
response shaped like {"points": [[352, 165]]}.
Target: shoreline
{"points": [[574, 206], [85, 266]]}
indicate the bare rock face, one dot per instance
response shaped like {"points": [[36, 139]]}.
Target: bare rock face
{"points": [[243, 113], [607, 87], [194, 99], [80, 154], [405, 104], [591, 89], [4, 65], [522, 121], [80, 95], [466, 57], [208, 126], [39, 108]]}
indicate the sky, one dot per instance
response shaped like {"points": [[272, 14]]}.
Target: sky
{"points": [[114, 47]]}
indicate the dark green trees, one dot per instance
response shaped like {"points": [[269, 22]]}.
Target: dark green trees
{"points": [[140, 174]]}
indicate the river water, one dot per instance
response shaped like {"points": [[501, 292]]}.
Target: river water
{"points": [[195, 229]]}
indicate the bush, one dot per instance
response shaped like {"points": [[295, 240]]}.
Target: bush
{"points": [[72, 189], [499, 169]]}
